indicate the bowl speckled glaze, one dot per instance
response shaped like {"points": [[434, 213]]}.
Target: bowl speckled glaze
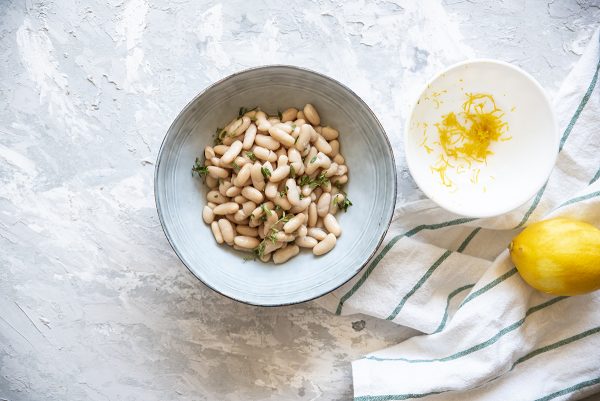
{"points": [[371, 187]]}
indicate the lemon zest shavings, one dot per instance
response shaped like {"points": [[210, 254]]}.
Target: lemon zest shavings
{"points": [[465, 137]]}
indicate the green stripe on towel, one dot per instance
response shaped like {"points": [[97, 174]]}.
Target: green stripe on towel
{"points": [[488, 286], [424, 278], [480, 346], [565, 391], [387, 248], [563, 140], [581, 198], [452, 295]]}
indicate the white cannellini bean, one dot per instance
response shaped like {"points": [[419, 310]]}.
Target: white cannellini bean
{"points": [[339, 159], [224, 186], [332, 225], [239, 216], [305, 242], [258, 181], [264, 154], [294, 223], [304, 137], [332, 170], [289, 114], [320, 223], [323, 204], [272, 246], [246, 242], [335, 147], [207, 215], [214, 161], [233, 151], [239, 199], [310, 114], [216, 197], [211, 182], [325, 245], [339, 180], [220, 150], [226, 208], [320, 160], [301, 206], [252, 194], [267, 142], [247, 231], [322, 145], [342, 170], [265, 258], [217, 172], [233, 191], [282, 202], [239, 248], [271, 190], [281, 136], [317, 233], [209, 153], [211, 205], [245, 124], [312, 153], [248, 207], [243, 175], [280, 173], [302, 231], [306, 190], [283, 237], [214, 226], [285, 254], [251, 114], [312, 214], [249, 137], [226, 230], [241, 161], [329, 133], [293, 195]]}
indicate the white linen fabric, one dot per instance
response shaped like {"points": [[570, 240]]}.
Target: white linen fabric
{"points": [[489, 336]]}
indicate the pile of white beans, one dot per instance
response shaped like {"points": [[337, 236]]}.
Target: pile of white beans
{"points": [[275, 184]]}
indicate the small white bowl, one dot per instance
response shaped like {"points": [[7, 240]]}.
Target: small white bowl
{"points": [[518, 167]]}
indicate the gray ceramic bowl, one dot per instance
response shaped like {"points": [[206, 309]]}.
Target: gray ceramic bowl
{"points": [[371, 187]]}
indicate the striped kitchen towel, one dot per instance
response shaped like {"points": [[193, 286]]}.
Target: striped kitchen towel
{"points": [[489, 336]]}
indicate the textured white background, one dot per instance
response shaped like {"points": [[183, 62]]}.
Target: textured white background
{"points": [[93, 303]]}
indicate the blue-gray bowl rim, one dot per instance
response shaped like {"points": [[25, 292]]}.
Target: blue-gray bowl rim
{"points": [[230, 76]]}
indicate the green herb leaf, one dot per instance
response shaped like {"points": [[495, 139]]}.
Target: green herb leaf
{"points": [[292, 171], [250, 155], [199, 168], [345, 204], [265, 172], [235, 167], [304, 180], [265, 209], [294, 127], [314, 159], [284, 192], [277, 208]]}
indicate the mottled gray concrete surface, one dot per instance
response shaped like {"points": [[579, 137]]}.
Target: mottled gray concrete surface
{"points": [[94, 305]]}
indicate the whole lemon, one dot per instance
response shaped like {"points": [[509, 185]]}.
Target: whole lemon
{"points": [[559, 256]]}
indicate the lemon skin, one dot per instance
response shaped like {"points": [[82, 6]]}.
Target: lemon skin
{"points": [[559, 256]]}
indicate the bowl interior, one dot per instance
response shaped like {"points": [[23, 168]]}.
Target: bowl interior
{"points": [[371, 187], [518, 166]]}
